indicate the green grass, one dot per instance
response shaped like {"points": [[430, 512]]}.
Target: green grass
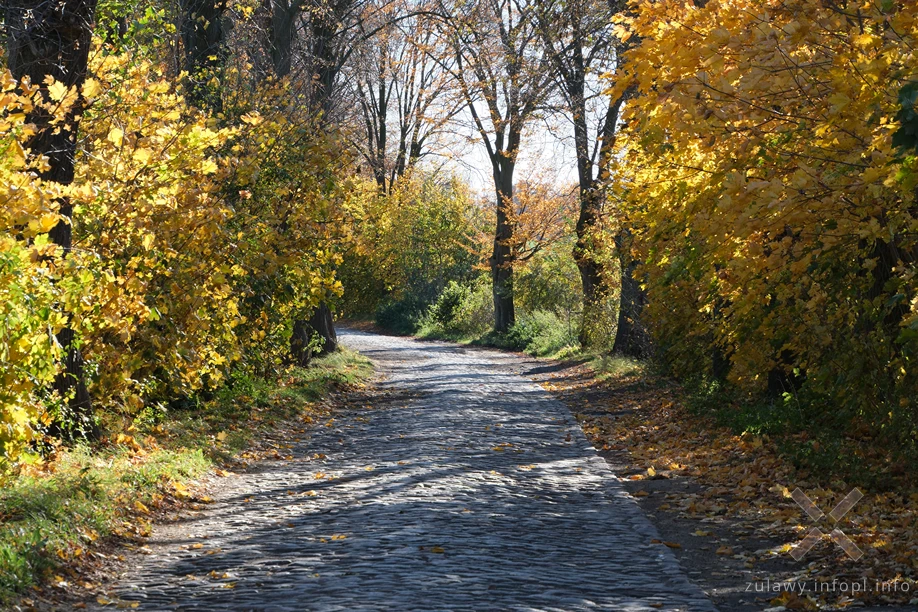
{"points": [[53, 516], [608, 367]]}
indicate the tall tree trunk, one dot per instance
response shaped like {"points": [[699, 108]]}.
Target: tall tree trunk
{"points": [[53, 39], [631, 337], [323, 28], [282, 33], [594, 329], [502, 255], [205, 49], [587, 250], [283, 28]]}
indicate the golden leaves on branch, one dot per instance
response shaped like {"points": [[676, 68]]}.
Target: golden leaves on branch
{"points": [[168, 255], [774, 217]]}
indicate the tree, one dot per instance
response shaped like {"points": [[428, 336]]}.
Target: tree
{"points": [[329, 33], [774, 213], [400, 91], [52, 39], [579, 38], [204, 40], [283, 15], [503, 78]]}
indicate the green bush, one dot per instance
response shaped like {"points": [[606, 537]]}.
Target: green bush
{"points": [[541, 332], [401, 316], [444, 312], [460, 312]]}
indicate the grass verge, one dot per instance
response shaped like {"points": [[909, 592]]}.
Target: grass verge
{"points": [[55, 516]]}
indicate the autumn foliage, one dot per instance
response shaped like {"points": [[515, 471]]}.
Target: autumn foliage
{"points": [[196, 239], [776, 214]]}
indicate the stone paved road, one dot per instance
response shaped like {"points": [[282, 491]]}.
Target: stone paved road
{"points": [[478, 493]]}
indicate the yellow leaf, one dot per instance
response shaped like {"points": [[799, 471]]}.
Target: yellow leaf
{"points": [[47, 222], [143, 155], [116, 136], [437, 549], [701, 532], [181, 491], [57, 91], [91, 88], [140, 507], [221, 436]]}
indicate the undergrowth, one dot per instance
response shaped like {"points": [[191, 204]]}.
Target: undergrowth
{"points": [[55, 513], [861, 456]]}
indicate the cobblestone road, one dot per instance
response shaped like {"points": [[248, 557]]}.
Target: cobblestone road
{"points": [[478, 493]]}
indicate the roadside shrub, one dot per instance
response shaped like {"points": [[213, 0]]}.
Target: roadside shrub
{"points": [[460, 311], [779, 248], [402, 316], [407, 247], [443, 312], [542, 332]]}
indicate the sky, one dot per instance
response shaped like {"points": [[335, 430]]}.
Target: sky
{"points": [[547, 150]]}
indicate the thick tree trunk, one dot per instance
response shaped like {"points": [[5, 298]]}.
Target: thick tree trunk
{"points": [[205, 49], [323, 26], [283, 28], [595, 295], [301, 343], [52, 39], [631, 337], [281, 37], [502, 255], [593, 327], [302, 349], [324, 325]]}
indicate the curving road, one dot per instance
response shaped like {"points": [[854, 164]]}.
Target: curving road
{"points": [[474, 490]]}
